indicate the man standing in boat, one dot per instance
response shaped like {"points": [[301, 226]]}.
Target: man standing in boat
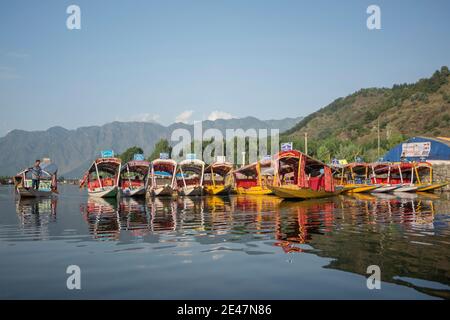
{"points": [[36, 173]]}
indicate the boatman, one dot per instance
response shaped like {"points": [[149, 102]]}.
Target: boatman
{"points": [[36, 173]]}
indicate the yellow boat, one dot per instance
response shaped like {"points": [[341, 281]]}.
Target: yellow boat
{"points": [[298, 176], [351, 176], [294, 192], [256, 190], [254, 178], [359, 188], [423, 186], [218, 178], [430, 187]]}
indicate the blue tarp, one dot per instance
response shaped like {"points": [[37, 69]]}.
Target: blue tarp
{"points": [[440, 150]]}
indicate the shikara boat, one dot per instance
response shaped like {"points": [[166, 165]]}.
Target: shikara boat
{"points": [[190, 177], [218, 178], [48, 184], [424, 180], [298, 176], [102, 178], [133, 177], [406, 177], [254, 178], [354, 178], [161, 180], [380, 175], [403, 175]]}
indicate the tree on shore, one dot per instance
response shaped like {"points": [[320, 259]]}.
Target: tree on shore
{"points": [[129, 153], [162, 146]]}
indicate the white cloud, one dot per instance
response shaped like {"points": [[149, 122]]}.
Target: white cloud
{"points": [[184, 116], [215, 115], [146, 117], [142, 117]]}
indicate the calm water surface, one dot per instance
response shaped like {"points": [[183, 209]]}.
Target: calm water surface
{"points": [[237, 247]]}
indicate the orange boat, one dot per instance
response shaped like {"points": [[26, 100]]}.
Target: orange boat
{"points": [[298, 176]]}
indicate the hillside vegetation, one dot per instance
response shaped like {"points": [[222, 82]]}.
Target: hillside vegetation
{"points": [[348, 126]]}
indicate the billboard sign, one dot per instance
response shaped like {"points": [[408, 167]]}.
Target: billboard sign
{"points": [[416, 149]]}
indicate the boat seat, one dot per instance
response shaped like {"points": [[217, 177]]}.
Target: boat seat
{"points": [[132, 183], [246, 183]]}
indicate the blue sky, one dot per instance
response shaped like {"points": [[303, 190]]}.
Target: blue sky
{"points": [[143, 60]]}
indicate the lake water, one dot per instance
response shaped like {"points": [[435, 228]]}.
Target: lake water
{"points": [[237, 247]]}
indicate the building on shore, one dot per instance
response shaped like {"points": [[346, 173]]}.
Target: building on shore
{"points": [[433, 150]]}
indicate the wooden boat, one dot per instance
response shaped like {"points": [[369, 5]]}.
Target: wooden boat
{"points": [[190, 177], [161, 180], [424, 183], [431, 187], [298, 176], [403, 174], [102, 178], [354, 178], [380, 175], [218, 178], [133, 177], [48, 185], [254, 178], [406, 177]]}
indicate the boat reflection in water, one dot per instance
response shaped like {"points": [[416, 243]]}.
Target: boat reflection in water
{"points": [[402, 235], [35, 215], [102, 216]]}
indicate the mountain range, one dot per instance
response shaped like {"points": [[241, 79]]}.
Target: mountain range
{"points": [[74, 150], [346, 128]]}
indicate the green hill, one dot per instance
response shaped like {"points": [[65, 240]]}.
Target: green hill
{"points": [[348, 127]]}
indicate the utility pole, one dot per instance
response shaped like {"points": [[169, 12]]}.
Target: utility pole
{"points": [[306, 143], [243, 158], [378, 132]]}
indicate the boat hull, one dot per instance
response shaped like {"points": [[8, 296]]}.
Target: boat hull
{"points": [[191, 191], [138, 192], [384, 189], [218, 190], [32, 193], [166, 191], [406, 188], [293, 192], [254, 190], [104, 192], [431, 187], [359, 188]]}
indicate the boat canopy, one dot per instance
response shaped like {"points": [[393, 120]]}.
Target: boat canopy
{"points": [[357, 170], [194, 165], [163, 165], [252, 169], [288, 159], [137, 166], [220, 168]]}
